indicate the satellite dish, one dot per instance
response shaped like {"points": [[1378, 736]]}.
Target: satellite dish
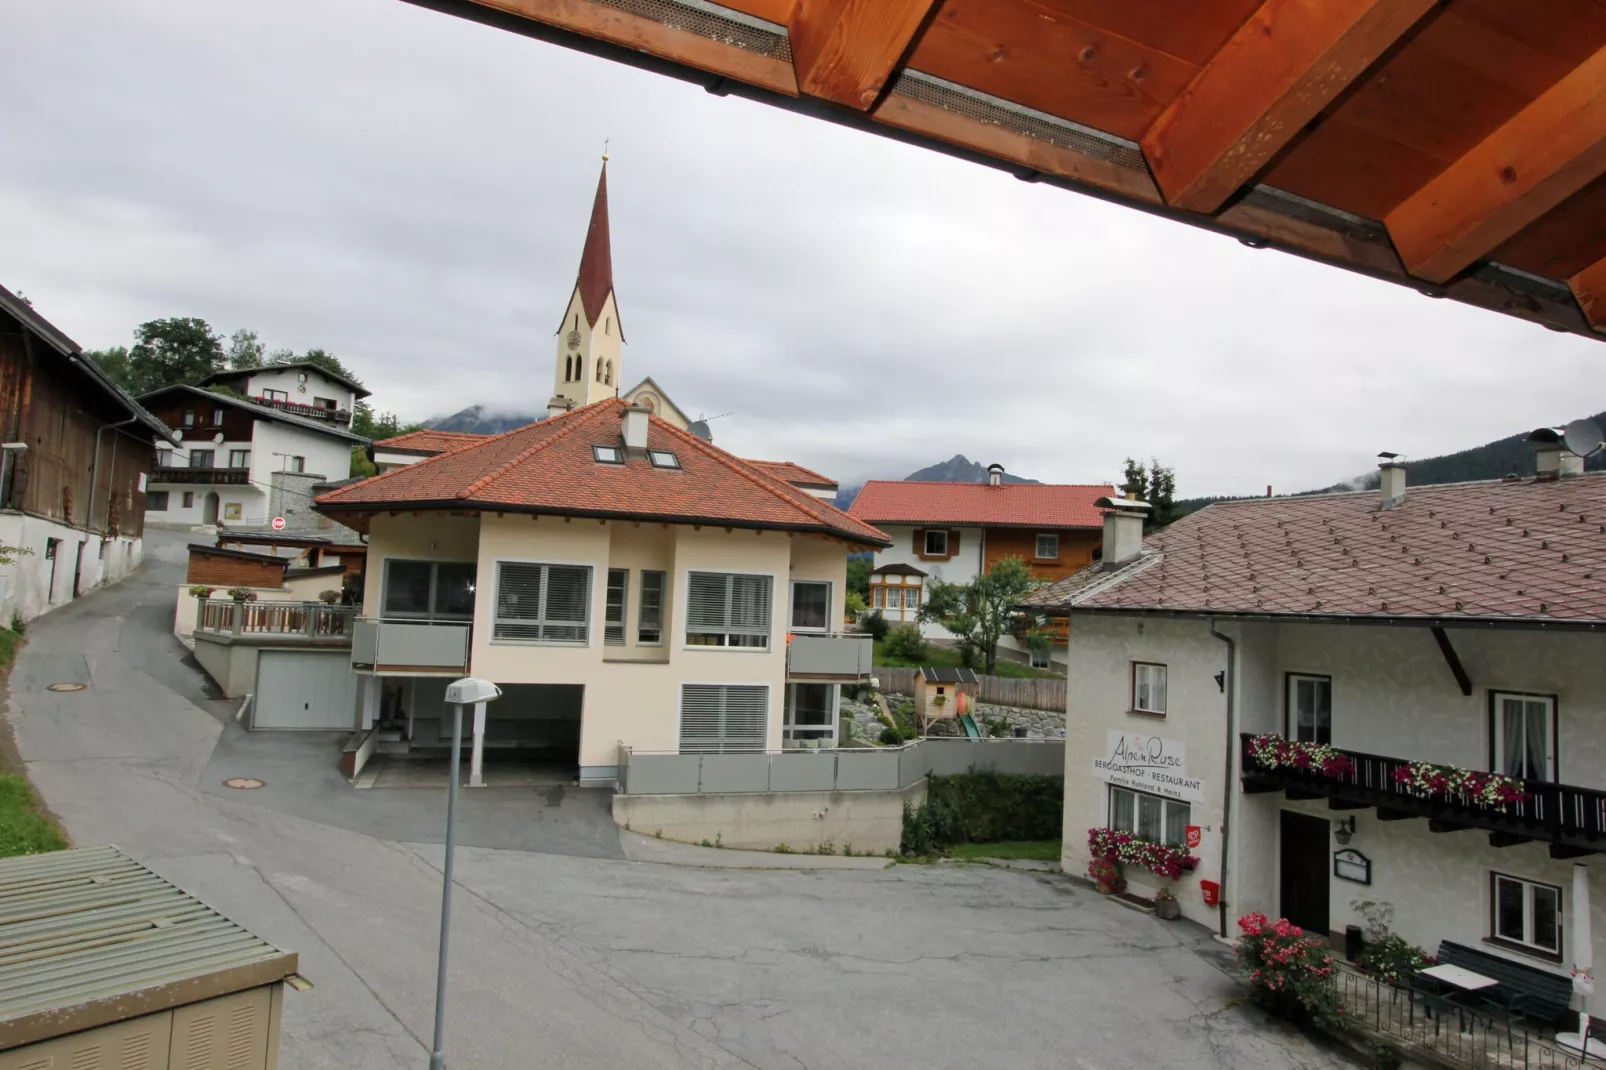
{"points": [[1583, 437]]}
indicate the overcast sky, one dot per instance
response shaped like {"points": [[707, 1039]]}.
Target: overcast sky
{"points": [[410, 191]]}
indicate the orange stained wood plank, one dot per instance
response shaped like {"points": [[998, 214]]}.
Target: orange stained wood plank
{"points": [[1031, 54], [1564, 241], [844, 50], [1589, 286], [1190, 31], [1535, 161], [632, 31], [1349, 167], [1273, 77]]}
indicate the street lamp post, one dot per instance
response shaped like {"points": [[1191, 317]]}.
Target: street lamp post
{"points": [[459, 693]]}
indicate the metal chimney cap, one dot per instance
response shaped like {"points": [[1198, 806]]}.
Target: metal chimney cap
{"points": [[1123, 505]]}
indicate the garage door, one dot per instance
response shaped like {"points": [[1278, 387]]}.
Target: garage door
{"points": [[305, 689]]}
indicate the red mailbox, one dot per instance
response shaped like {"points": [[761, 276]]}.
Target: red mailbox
{"points": [[1212, 893]]}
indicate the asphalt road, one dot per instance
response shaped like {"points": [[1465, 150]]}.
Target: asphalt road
{"points": [[564, 953]]}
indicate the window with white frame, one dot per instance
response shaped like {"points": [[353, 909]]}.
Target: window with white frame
{"points": [[239, 458], [276, 395], [936, 542], [723, 718], [650, 618], [728, 609], [1310, 708], [809, 713], [164, 458], [1148, 687], [811, 605], [1150, 817], [1048, 547], [541, 603], [878, 597], [894, 597], [1040, 657], [156, 501], [613, 612], [428, 590], [911, 598], [295, 464], [1524, 742], [1525, 913]]}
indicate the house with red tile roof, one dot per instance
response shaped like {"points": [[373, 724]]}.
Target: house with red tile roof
{"points": [[954, 532], [399, 451], [1395, 696], [625, 582]]}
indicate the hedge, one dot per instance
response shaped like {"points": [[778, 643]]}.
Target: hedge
{"points": [[984, 808]]}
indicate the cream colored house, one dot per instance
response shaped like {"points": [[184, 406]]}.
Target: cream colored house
{"points": [[1462, 626], [625, 582]]}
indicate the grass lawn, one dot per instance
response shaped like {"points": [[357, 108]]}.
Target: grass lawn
{"points": [[1037, 850], [947, 657], [25, 827]]}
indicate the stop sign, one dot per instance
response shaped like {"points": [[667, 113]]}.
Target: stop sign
{"points": [[278, 523]]}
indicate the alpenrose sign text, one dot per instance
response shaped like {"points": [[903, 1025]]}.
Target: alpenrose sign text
{"points": [[1148, 763]]}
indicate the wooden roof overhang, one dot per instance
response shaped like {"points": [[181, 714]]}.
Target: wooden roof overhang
{"points": [[1454, 146]]}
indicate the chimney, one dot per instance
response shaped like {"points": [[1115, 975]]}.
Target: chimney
{"points": [[558, 406], [635, 427], [1552, 458], [995, 475], [1123, 530], [1391, 479]]}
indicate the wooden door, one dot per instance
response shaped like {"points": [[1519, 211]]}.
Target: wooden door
{"points": [[1304, 853]]}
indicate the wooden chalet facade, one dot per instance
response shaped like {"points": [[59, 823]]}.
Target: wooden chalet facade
{"points": [[78, 454]]}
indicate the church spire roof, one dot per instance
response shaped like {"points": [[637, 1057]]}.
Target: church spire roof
{"points": [[595, 281]]}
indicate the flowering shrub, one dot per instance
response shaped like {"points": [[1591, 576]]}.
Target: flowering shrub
{"points": [[1290, 972], [1393, 959], [1275, 752], [1106, 874], [1491, 789], [1160, 859]]}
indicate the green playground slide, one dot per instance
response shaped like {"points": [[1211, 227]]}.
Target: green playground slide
{"points": [[969, 724]]}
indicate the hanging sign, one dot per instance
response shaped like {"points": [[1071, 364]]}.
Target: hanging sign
{"points": [[1148, 763], [1193, 836], [1351, 865]]}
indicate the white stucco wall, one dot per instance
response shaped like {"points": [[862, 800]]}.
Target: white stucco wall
{"points": [[33, 584], [326, 455], [1392, 694], [289, 381], [962, 568]]}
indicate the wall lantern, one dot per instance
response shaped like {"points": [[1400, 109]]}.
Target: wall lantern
{"points": [[1344, 831]]}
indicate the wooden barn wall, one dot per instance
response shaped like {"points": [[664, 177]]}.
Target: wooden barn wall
{"points": [[56, 409]]}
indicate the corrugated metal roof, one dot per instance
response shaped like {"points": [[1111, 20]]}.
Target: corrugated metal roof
{"points": [[90, 937]]}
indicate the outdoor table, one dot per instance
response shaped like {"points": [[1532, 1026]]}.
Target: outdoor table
{"points": [[1459, 977]]}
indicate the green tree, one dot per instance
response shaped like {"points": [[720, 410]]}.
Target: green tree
{"points": [[859, 576], [328, 362], [980, 612], [1162, 495], [1134, 481], [176, 350], [114, 362], [245, 350], [377, 425]]}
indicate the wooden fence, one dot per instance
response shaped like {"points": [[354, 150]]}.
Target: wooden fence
{"points": [[1043, 694]]}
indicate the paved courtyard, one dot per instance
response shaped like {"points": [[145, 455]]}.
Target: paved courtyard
{"points": [[566, 952]]}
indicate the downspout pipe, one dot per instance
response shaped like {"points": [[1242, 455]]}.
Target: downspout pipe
{"points": [[1231, 688]]}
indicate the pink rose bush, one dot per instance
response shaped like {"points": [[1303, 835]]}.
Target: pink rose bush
{"points": [[1290, 971], [1275, 752], [1490, 789], [1160, 859]]}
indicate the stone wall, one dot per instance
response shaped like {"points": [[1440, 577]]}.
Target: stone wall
{"points": [[1039, 724]]}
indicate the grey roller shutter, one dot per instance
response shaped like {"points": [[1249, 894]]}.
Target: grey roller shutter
{"points": [[549, 603], [723, 718], [518, 601]]}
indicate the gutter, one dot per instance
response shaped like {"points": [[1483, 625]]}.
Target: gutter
{"points": [[1535, 623], [1230, 686]]}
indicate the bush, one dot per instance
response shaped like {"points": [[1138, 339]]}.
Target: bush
{"points": [[995, 807], [874, 624], [929, 829], [904, 643], [18, 625], [1290, 971], [1393, 959]]}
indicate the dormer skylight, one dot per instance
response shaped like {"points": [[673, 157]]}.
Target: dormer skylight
{"points": [[608, 454], [663, 459]]}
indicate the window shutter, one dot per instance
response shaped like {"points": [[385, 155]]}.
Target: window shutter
{"points": [[723, 719], [568, 590], [920, 542], [706, 601], [518, 601], [750, 604], [406, 588], [953, 542]]}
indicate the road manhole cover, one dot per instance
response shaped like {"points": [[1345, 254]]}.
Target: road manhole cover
{"points": [[66, 687], [244, 783]]}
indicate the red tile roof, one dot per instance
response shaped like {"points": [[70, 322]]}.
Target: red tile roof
{"points": [[549, 468], [1031, 505], [794, 474], [1524, 549], [427, 441]]}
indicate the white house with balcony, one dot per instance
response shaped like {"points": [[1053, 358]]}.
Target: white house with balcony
{"points": [[221, 470], [301, 388], [626, 583], [1392, 697]]}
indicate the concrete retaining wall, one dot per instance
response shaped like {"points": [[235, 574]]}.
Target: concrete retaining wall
{"points": [[870, 822]]}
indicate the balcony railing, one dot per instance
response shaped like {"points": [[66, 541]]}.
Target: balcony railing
{"points": [[164, 474], [298, 620], [410, 647], [840, 655], [314, 412], [1561, 814]]}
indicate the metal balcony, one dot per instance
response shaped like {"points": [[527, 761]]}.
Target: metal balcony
{"points": [[410, 647], [311, 412], [838, 656]]}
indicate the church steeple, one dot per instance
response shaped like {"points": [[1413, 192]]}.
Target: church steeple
{"points": [[590, 336]]}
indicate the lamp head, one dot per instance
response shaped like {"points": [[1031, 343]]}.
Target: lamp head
{"points": [[471, 690]]}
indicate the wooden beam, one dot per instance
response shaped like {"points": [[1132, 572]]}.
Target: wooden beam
{"points": [[1435, 825], [1507, 839], [845, 50], [1301, 795], [1452, 659], [1541, 156], [1589, 287], [1385, 814], [1286, 63], [1563, 851]]}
